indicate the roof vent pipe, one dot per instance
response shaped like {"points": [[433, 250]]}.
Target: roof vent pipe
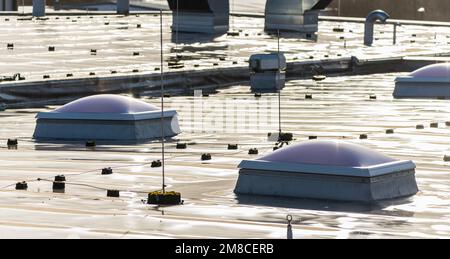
{"points": [[8, 5], [38, 8], [123, 7], [377, 15]]}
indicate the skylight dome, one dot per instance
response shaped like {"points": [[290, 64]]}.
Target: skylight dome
{"points": [[107, 103], [327, 170], [328, 153], [106, 117], [435, 70], [432, 81]]}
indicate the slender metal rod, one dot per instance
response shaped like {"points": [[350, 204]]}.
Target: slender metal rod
{"points": [[394, 40], [339, 8], [279, 90], [162, 104], [231, 17], [177, 28]]}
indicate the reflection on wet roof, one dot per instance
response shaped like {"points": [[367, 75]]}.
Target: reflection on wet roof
{"points": [[103, 44], [340, 110]]}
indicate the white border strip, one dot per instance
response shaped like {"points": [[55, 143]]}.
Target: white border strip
{"points": [[428, 79], [106, 116], [371, 171]]}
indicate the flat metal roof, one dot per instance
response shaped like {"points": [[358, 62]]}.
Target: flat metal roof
{"points": [[340, 109], [121, 47]]}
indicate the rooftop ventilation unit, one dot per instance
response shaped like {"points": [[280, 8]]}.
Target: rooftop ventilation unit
{"points": [[267, 72], [8, 5], [293, 15], [38, 8], [200, 16], [123, 7], [106, 117], [327, 170], [432, 81]]}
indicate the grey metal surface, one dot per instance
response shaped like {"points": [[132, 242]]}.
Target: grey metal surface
{"points": [[75, 36], [267, 62], [8, 5], [123, 6], [94, 116], [270, 81], [106, 131], [203, 16], [38, 8], [427, 89], [431, 81], [317, 186], [340, 109], [308, 168], [292, 15], [30, 94], [106, 117], [267, 72]]}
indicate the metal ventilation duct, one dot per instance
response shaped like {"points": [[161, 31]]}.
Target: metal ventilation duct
{"points": [[8, 5], [267, 72], [377, 15], [201, 6], [38, 8], [201, 16], [293, 15], [123, 6], [322, 4]]}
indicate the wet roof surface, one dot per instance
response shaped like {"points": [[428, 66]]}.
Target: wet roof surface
{"points": [[106, 44], [340, 109]]}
